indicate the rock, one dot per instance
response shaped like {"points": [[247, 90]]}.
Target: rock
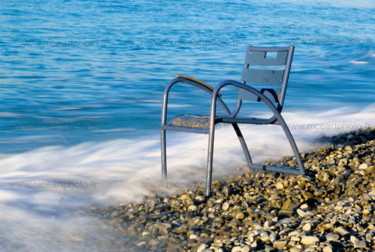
{"points": [[306, 227], [294, 249], [342, 231], [357, 243], [245, 248], [184, 197], [366, 212], [267, 225], [332, 237], [225, 206], [268, 248], [279, 186], [154, 242], [181, 229], [273, 237], [193, 237], [279, 244], [311, 249], [264, 237], [301, 213], [304, 207], [240, 216], [309, 240], [236, 249], [286, 204], [363, 166], [192, 208], [327, 249], [201, 248], [218, 250]]}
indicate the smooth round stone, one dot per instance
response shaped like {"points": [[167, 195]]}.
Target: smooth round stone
{"points": [[304, 207], [201, 248], [302, 213], [192, 208], [363, 166], [225, 206], [307, 227], [332, 237], [327, 249], [240, 216], [278, 244], [357, 243], [236, 249], [184, 197], [309, 240], [342, 231], [193, 237], [279, 186]]}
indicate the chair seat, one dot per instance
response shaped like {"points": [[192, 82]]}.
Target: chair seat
{"points": [[191, 121]]}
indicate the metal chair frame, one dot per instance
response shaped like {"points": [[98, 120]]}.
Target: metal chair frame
{"points": [[255, 57]]}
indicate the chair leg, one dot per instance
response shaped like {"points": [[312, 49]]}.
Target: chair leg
{"points": [[243, 144], [210, 157], [163, 154], [292, 144]]}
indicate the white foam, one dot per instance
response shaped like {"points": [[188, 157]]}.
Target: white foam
{"points": [[41, 184], [358, 62]]}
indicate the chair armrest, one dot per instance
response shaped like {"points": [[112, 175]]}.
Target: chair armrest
{"points": [[191, 81], [197, 81]]}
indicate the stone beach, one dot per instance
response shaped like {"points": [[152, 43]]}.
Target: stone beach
{"points": [[330, 209]]}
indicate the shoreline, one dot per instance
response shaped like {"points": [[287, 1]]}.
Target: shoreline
{"points": [[331, 209]]}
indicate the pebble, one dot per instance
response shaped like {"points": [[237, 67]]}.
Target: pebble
{"points": [[332, 237], [327, 249], [302, 213], [342, 231], [225, 206], [184, 197], [279, 244], [357, 243], [240, 216], [306, 227], [309, 240], [279, 186], [201, 248], [193, 237], [294, 249], [192, 208], [236, 249], [363, 166], [304, 206]]}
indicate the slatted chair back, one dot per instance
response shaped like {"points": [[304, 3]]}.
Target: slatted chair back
{"points": [[267, 69]]}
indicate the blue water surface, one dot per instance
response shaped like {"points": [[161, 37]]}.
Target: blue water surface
{"points": [[79, 70]]}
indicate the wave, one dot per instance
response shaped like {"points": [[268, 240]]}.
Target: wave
{"points": [[40, 189]]}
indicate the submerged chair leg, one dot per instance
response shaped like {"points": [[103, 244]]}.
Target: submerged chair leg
{"points": [[243, 144], [163, 154], [292, 144], [210, 156]]}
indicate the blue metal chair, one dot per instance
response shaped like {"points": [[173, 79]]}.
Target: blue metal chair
{"points": [[264, 80]]}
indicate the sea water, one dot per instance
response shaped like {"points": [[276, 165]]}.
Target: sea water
{"points": [[81, 84]]}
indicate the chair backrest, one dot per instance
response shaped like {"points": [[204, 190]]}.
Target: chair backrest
{"points": [[267, 69]]}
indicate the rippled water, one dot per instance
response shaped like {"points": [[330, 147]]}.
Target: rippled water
{"points": [[73, 71], [81, 85]]}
